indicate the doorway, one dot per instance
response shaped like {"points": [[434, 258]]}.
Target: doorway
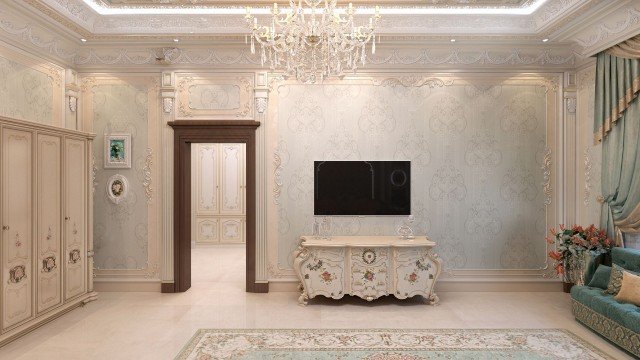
{"points": [[186, 133], [218, 214]]}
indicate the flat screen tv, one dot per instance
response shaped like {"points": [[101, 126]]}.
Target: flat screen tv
{"points": [[362, 188]]}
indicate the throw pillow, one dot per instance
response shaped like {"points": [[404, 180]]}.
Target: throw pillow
{"points": [[601, 277], [630, 289], [615, 281]]}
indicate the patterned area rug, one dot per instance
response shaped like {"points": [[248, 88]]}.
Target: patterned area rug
{"points": [[397, 344]]}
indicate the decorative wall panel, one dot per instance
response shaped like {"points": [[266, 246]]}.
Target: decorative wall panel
{"points": [[589, 154], [125, 234], [30, 89], [215, 96], [479, 151]]}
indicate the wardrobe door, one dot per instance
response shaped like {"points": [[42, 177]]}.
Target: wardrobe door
{"points": [[232, 194], [206, 179], [48, 240], [17, 226], [75, 180], [231, 230]]}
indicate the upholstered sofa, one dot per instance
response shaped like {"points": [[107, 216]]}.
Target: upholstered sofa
{"points": [[618, 322]]}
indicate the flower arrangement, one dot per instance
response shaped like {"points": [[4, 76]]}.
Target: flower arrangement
{"points": [[572, 244]]}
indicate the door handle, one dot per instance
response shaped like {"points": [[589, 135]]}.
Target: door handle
{"points": [[5, 227], [67, 218]]}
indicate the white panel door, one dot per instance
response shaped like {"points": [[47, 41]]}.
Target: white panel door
{"points": [[17, 226], [231, 230], [48, 240], [232, 182], [207, 187], [75, 181]]}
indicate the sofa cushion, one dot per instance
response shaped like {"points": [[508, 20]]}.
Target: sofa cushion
{"points": [[600, 278], [626, 258], [630, 289], [615, 281], [627, 315]]}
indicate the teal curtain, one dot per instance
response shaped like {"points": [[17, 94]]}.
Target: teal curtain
{"points": [[617, 125]]}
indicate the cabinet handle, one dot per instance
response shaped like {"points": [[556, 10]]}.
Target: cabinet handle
{"points": [[5, 227], [67, 218]]}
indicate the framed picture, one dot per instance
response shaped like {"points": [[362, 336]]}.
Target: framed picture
{"points": [[117, 188], [117, 151]]}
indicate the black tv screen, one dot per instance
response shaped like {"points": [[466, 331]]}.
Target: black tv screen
{"points": [[362, 188]]}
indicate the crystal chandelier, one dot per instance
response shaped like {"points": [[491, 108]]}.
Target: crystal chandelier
{"points": [[312, 42]]}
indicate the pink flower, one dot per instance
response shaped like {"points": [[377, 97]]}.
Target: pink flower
{"points": [[555, 255]]}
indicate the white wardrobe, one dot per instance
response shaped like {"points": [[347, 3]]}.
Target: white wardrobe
{"points": [[218, 193], [46, 253]]}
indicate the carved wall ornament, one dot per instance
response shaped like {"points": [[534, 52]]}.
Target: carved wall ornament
{"points": [[167, 105], [571, 105], [147, 179], [261, 105], [413, 81], [117, 188], [546, 182], [73, 103], [588, 164]]}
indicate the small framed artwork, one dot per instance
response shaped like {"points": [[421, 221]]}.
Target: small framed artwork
{"points": [[117, 188], [117, 151]]}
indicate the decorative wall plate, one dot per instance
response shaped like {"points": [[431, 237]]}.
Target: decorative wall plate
{"points": [[117, 188]]}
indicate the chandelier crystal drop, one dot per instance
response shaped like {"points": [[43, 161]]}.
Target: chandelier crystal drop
{"points": [[312, 42]]}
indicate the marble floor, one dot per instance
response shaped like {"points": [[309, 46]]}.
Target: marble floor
{"points": [[156, 326]]}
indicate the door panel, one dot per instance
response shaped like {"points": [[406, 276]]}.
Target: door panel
{"points": [[231, 230], [207, 230], [17, 225], [49, 214], [232, 182], [75, 220], [207, 179]]}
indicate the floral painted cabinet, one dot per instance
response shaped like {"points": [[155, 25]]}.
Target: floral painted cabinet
{"points": [[366, 266], [46, 251]]}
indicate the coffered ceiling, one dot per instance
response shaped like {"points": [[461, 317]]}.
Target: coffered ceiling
{"points": [[66, 28], [431, 3]]}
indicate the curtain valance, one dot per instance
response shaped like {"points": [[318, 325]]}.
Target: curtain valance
{"points": [[617, 85]]}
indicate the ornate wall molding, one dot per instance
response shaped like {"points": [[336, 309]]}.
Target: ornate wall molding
{"points": [[546, 182], [588, 164], [147, 178], [608, 31], [215, 96]]}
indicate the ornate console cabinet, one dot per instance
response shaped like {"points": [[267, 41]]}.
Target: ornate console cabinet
{"points": [[367, 267], [46, 251]]}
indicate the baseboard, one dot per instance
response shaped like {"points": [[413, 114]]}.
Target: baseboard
{"points": [[113, 285], [535, 285]]}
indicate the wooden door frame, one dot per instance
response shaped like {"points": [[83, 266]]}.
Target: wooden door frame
{"points": [[187, 132]]}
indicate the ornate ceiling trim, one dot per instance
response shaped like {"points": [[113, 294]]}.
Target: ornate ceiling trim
{"points": [[434, 3], [404, 7]]}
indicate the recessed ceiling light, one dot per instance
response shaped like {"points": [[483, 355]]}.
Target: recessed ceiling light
{"points": [[83, 40], [545, 40], [176, 40], [453, 40]]}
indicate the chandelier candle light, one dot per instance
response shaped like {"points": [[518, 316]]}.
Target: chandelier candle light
{"points": [[312, 43]]}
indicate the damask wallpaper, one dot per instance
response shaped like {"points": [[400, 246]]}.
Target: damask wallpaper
{"points": [[477, 153], [589, 153], [25, 92], [121, 230]]}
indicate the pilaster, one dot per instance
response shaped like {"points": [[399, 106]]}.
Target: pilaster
{"points": [[571, 153], [167, 92], [261, 93]]}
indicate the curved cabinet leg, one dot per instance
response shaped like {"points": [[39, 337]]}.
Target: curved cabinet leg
{"points": [[302, 300], [433, 299]]}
